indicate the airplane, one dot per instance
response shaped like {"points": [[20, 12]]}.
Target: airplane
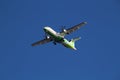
{"points": [[59, 37]]}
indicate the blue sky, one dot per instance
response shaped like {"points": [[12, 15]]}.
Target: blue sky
{"points": [[98, 54]]}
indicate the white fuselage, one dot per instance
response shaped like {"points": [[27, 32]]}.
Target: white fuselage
{"points": [[49, 29]]}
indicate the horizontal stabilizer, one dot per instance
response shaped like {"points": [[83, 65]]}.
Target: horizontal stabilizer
{"points": [[76, 39]]}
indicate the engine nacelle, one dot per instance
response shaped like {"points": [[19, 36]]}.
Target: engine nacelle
{"points": [[65, 31], [47, 37]]}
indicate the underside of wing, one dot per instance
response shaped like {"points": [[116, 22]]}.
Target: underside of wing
{"points": [[42, 42], [72, 29]]}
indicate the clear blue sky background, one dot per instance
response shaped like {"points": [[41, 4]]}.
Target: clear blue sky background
{"points": [[98, 54]]}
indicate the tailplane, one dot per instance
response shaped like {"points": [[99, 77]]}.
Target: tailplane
{"points": [[75, 39]]}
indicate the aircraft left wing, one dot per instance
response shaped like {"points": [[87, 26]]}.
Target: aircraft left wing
{"points": [[72, 29], [42, 42]]}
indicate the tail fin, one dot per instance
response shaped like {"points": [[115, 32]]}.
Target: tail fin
{"points": [[74, 40]]}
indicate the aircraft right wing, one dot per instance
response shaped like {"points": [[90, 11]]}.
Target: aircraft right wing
{"points": [[42, 42], [72, 29]]}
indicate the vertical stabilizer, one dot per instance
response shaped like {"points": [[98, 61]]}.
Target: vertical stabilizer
{"points": [[73, 42]]}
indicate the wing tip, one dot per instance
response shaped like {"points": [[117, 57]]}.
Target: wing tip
{"points": [[32, 44], [85, 22]]}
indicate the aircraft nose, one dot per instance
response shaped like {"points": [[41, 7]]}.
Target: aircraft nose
{"points": [[46, 27]]}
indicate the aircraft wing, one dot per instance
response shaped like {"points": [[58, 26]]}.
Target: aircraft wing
{"points": [[42, 42], [72, 29]]}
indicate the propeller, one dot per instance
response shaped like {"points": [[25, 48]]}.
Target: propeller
{"points": [[46, 36], [63, 29]]}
